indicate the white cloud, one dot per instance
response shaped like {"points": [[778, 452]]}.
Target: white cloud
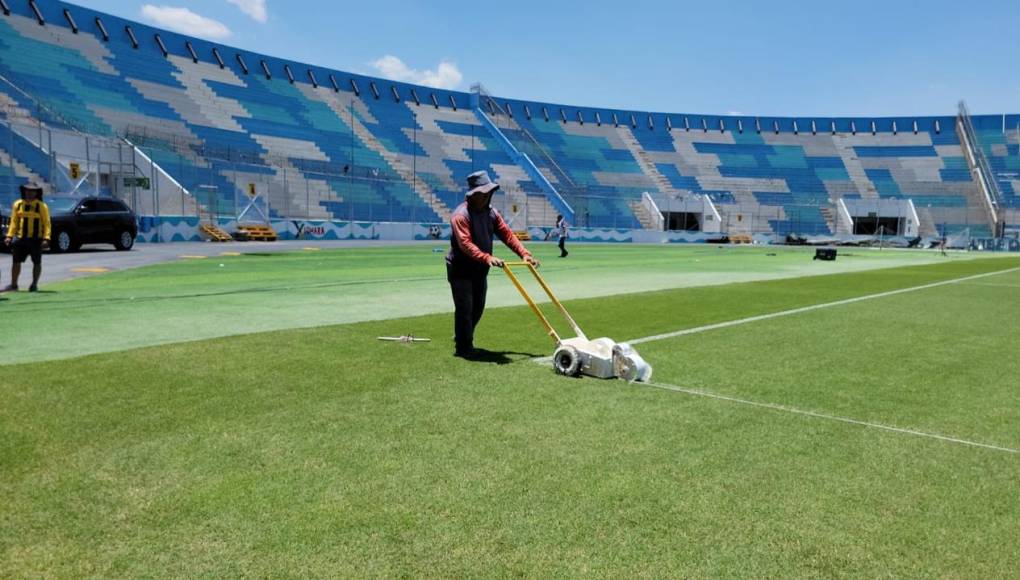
{"points": [[734, 113], [446, 75], [185, 21], [254, 8]]}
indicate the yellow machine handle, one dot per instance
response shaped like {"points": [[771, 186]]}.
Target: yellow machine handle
{"points": [[508, 268]]}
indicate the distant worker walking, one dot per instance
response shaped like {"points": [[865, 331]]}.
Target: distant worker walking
{"points": [[562, 227], [474, 224], [28, 234]]}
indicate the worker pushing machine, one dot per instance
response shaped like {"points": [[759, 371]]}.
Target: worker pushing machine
{"points": [[474, 224]]}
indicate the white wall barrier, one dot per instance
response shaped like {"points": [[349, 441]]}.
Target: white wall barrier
{"points": [[995, 245], [155, 229]]}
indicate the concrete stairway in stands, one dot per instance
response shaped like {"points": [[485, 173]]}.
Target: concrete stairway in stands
{"points": [[644, 161], [830, 217], [643, 215]]}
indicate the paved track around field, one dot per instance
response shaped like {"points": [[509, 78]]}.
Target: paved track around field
{"points": [[97, 260]]}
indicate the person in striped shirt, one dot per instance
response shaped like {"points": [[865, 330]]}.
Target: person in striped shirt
{"points": [[28, 234]]}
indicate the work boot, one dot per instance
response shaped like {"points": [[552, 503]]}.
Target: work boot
{"points": [[33, 288]]}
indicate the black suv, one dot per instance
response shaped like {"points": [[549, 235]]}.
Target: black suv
{"points": [[90, 220]]}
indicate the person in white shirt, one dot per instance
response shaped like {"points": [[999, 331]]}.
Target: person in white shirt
{"points": [[561, 226]]}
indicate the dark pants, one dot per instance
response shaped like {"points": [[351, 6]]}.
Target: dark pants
{"points": [[24, 248], [563, 247], [469, 304]]}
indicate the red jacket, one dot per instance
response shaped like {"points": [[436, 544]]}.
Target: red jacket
{"points": [[471, 242]]}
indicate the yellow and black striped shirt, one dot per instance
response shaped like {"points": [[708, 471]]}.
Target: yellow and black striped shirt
{"points": [[29, 219]]}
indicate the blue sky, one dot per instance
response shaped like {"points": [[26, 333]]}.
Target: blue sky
{"points": [[765, 57]]}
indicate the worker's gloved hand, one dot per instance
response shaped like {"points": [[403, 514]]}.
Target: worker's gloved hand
{"points": [[494, 261], [533, 261]]}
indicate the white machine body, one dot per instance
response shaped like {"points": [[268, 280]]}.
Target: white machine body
{"points": [[601, 358]]}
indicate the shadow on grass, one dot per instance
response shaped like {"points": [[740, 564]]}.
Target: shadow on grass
{"points": [[23, 290], [499, 357]]}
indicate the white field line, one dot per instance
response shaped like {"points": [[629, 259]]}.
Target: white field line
{"points": [[814, 307], [987, 285], [730, 323], [795, 411]]}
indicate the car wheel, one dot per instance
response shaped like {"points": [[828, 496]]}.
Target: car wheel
{"points": [[125, 241], [62, 242]]}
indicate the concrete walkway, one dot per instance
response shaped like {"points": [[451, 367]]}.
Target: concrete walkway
{"points": [[99, 259], [93, 260]]}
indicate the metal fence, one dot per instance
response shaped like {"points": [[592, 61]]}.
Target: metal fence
{"points": [[69, 162]]}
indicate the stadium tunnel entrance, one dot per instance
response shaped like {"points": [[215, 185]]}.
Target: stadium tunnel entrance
{"points": [[873, 225], [683, 221], [890, 217], [685, 211]]}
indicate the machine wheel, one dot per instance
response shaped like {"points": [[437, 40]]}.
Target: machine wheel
{"points": [[567, 361]]}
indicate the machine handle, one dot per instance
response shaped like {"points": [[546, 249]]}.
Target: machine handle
{"points": [[507, 267], [527, 298]]}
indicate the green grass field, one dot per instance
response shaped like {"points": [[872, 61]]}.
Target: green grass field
{"points": [[262, 430]]}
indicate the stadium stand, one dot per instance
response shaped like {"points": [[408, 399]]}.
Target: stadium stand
{"points": [[785, 165], [999, 141], [324, 144]]}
